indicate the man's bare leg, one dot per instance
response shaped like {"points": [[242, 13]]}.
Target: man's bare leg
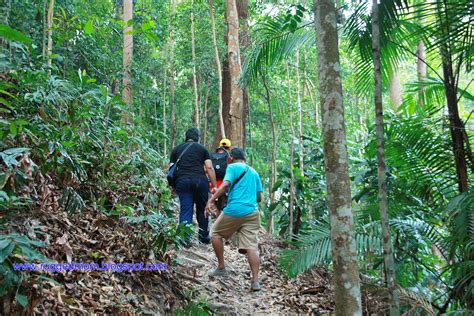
{"points": [[254, 262], [218, 245]]}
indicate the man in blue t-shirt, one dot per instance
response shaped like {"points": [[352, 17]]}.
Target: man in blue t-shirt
{"points": [[240, 216]]}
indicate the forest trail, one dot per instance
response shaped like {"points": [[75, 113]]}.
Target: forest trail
{"points": [[309, 293]]}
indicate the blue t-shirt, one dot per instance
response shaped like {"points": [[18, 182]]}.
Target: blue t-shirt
{"points": [[242, 199]]}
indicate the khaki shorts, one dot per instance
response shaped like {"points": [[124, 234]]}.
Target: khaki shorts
{"points": [[245, 228]]}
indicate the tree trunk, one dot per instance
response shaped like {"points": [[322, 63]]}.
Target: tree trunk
{"points": [[298, 105], [310, 89], [127, 93], [243, 12], [344, 252], [193, 51], [396, 90], [456, 125], [219, 71], [44, 35], [249, 119], [292, 137], [50, 33], [233, 56], [382, 176], [163, 118], [172, 128], [273, 178], [206, 114], [421, 69]]}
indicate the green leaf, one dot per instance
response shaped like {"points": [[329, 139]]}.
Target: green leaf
{"points": [[14, 35], [21, 122], [6, 103], [31, 254], [4, 243], [88, 28], [13, 129], [4, 253], [21, 299], [8, 93]]}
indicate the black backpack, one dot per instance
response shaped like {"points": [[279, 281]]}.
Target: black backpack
{"points": [[219, 161]]}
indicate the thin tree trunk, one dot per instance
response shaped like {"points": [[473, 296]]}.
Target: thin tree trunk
{"points": [[396, 90], [50, 33], [233, 56], [344, 252], [421, 70], [127, 93], [382, 176], [165, 132], [249, 118], [292, 137], [314, 102], [172, 116], [219, 70], [193, 51], [273, 178], [456, 125], [243, 12], [298, 105], [206, 114], [44, 35]]}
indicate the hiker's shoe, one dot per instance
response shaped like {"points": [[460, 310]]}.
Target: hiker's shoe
{"points": [[217, 272], [255, 286]]}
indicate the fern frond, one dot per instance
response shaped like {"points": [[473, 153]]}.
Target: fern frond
{"points": [[416, 301]]}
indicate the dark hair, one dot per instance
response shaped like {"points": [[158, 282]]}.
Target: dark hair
{"points": [[237, 153], [193, 133]]}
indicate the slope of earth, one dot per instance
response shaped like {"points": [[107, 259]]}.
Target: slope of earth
{"points": [[308, 293]]}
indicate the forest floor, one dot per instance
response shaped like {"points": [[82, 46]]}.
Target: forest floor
{"points": [[309, 293], [91, 236]]}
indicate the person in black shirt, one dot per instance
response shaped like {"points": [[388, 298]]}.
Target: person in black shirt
{"points": [[192, 185]]}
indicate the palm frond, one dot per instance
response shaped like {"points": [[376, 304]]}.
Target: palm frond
{"points": [[357, 30], [276, 43], [448, 24], [423, 158], [431, 99], [417, 302], [315, 248]]}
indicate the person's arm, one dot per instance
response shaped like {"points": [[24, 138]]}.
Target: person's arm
{"points": [[259, 189], [211, 173], [220, 192]]}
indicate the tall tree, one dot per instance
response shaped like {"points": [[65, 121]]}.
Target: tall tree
{"points": [[344, 252], [421, 67], [195, 86], [300, 111], [171, 70], [382, 176], [164, 119], [127, 57], [292, 137], [50, 31], [396, 89], [243, 11], [273, 177], [219, 72], [235, 69]]}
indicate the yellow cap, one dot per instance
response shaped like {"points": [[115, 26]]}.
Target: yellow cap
{"points": [[225, 143]]}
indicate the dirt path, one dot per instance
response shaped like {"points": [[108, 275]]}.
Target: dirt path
{"points": [[309, 293]]}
